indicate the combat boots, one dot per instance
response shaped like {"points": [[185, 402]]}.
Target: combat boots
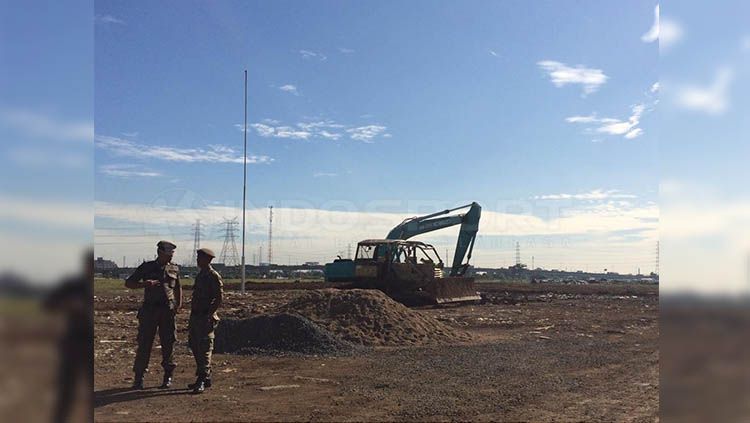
{"points": [[138, 382], [167, 381], [206, 383]]}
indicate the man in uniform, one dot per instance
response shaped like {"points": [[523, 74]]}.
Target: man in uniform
{"points": [[162, 297], [207, 296]]}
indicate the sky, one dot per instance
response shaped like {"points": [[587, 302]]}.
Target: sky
{"points": [[363, 113], [47, 133], [704, 195]]}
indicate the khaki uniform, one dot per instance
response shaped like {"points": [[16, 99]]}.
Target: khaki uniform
{"points": [[157, 313], [207, 293]]}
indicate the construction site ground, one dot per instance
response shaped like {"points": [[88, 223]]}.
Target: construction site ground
{"points": [[526, 353]]}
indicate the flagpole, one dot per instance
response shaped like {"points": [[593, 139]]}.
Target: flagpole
{"points": [[244, 188]]}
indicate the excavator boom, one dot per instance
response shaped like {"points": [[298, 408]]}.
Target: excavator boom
{"points": [[469, 222]]}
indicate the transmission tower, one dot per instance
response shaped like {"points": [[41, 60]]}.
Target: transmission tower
{"points": [[197, 237], [229, 255], [270, 234], [518, 253], [349, 251], [657, 258]]}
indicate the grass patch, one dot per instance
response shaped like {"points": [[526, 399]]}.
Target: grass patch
{"points": [[108, 285]]}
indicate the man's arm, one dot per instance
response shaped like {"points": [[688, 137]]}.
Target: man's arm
{"points": [[134, 280], [216, 303], [178, 293]]}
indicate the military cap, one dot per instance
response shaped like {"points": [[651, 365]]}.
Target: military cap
{"points": [[166, 245], [207, 251]]}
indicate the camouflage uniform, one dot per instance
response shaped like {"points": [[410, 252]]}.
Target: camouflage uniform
{"points": [[157, 312], [207, 293]]}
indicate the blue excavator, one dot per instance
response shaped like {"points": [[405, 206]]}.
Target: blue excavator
{"points": [[412, 272]]}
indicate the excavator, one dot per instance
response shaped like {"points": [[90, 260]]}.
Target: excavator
{"points": [[412, 272]]}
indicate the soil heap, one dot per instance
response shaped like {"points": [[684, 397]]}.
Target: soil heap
{"points": [[277, 333], [369, 317]]}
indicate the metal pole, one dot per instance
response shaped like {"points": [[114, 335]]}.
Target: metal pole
{"points": [[244, 188]]}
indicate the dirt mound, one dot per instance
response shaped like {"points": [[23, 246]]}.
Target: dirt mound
{"points": [[369, 317], [276, 333]]}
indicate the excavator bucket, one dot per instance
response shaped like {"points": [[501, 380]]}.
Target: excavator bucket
{"points": [[453, 290]]}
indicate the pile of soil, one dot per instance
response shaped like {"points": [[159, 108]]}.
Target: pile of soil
{"points": [[277, 334], [369, 317]]}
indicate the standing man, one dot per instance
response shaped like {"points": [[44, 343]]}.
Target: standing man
{"points": [[207, 295], [162, 297]]}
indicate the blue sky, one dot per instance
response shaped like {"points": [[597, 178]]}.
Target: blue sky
{"points": [[705, 198], [47, 129], [471, 124], [387, 107]]}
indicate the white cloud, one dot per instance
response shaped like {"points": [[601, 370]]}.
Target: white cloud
{"points": [[582, 119], [492, 52], [327, 129], [109, 19], [628, 128], [655, 88], [713, 99], [705, 237], [668, 32], [620, 127], [634, 133], [312, 126], [35, 211], [42, 126], [44, 158], [324, 174], [312, 222], [127, 171], [289, 88], [319, 233], [268, 131], [308, 54], [653, 33], [346, 50], [289, 132], [329, 135], [214, 154], [596, 194], [561, 74], [261, 128], [366, 133]]}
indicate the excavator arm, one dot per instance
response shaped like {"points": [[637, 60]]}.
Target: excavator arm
{"points": [[469, 222]]}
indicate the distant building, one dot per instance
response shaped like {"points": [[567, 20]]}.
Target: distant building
{"points": [[312, 263], [102, 265]]}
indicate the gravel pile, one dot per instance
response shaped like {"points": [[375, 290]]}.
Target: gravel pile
{"points": [[369, 317], [277, 334]]}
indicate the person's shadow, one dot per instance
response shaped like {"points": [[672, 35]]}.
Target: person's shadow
{"points": [[115, 395]]}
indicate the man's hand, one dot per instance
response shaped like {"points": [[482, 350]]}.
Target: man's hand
{"points": [[152, 282]]}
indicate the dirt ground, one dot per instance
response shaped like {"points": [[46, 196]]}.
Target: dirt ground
{"points": [[533, 353]]}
